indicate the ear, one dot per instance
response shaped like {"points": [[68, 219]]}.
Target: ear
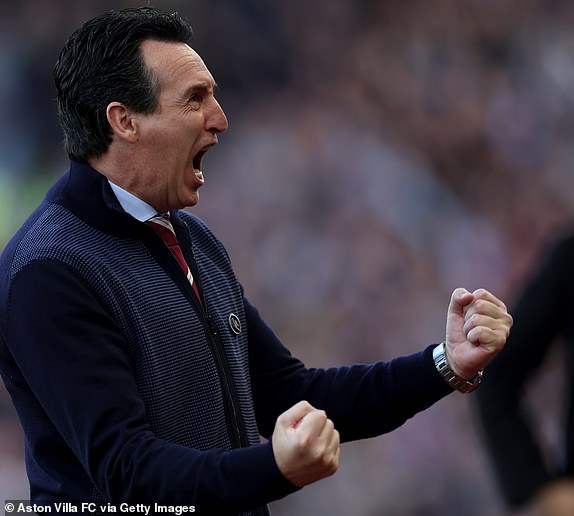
{"points": [[122, 121]]}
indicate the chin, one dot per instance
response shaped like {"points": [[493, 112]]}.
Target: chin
{"points": [[191, 200]]}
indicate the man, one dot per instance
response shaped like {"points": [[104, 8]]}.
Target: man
{"points": [[141, 372], [529, 477]]}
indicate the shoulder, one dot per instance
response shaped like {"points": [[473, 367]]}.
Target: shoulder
{"points": [[52, 232]]}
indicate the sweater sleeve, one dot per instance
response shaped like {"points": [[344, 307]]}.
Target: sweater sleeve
{"points": [[73, 360], [362, 400], [539, 316]]}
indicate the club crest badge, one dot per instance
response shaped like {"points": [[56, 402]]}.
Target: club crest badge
{"points": [[234, 324]]}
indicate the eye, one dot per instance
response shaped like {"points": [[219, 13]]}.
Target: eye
{"points": [[195, 99]]}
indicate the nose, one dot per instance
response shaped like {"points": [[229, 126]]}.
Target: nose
{"points": [[216, 121]]}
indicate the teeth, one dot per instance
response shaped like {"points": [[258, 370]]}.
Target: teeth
{"points": [[198, 173]]}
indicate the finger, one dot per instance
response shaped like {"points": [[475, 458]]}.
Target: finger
{"points": [[293, 415], [335, 450], [332, 445], [459, 299], [313, 423], [482, 293], [330, 439], [327, 431], [338, 450], [490, 317], [335, 442], [484, 307], [477, 320], [486, 337]]}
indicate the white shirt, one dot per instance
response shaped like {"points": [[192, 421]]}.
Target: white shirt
{"points": [[142, 211], [133, 205]]}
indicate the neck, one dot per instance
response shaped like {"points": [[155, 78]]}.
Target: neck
{"points": [[126, 173]]}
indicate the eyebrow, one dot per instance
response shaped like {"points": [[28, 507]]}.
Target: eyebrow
{"points": [[200, 87]]}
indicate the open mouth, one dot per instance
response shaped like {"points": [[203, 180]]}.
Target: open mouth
{"points": [[197, 164], [197, 169]]}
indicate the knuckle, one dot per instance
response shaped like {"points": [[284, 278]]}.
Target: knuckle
{"points": [[333, 467], [493, 348], [480, 305], [475, 320], [497, 342], [306, 405], [318, 454]]}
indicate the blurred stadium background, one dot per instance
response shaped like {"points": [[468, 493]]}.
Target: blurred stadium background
{"points": [[380, 154]]}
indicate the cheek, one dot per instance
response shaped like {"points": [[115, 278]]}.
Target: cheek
{"points": [[169, 143], [161, 137]]}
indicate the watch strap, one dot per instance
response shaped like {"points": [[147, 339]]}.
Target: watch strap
{"points": [[456, 382]]}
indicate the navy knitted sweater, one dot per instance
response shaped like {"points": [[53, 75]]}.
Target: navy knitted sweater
{"points": [[129, 389]]}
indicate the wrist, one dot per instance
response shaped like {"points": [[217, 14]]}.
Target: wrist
{"points": [[444, 368]]}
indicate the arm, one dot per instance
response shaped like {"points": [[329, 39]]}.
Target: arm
{"points": [[540, 315], [366, 400], [74, 359], [351, 402], [362, 400]]}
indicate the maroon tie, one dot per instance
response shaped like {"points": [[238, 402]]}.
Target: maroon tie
{"points": [[162, 226]]}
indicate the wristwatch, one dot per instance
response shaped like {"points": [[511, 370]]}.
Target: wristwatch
{"points": [[455, 381]]}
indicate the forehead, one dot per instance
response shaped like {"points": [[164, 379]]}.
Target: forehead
{"points": [[176, 65]]}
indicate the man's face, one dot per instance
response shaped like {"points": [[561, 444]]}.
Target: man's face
{"points": [[183, 127]]}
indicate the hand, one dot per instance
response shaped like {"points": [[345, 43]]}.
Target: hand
{"points": [[556, 499], [477, 327], [305, 444]]}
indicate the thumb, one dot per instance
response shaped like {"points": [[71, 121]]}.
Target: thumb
{"points": [[296, 413], [459, 299]]}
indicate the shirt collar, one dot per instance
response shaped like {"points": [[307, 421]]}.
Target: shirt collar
{"points": [[133, 205]]}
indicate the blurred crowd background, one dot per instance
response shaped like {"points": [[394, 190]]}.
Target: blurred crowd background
{"points": [[380, 154]]}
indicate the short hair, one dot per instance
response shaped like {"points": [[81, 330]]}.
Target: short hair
{"points": [[101, 63]]}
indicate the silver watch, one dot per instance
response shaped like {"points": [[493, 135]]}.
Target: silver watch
{"points": [[455, 381]]}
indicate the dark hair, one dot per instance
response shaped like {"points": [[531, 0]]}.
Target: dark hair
{"points": [[101, 63]]}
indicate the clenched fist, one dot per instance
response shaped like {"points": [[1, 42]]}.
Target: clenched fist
{"points": [[477, 327], [305, 444]]}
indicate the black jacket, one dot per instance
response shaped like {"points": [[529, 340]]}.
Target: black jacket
{"points": [[543, 314], [128, 390]]}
